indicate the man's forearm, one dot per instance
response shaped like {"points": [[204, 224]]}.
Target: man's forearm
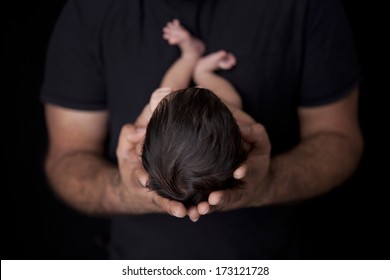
{"points": [[86, 182], [317, 165]]}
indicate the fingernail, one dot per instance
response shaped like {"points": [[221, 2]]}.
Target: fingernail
{"points": [[143, 182], [216, 202], [177, 215], [204, 211], [239, 174]]}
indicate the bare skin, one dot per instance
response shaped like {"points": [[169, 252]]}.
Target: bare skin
{"points": [[179, 75], [191, 65], [204, 75], [329, 151], [330, 148], [95, 186]]}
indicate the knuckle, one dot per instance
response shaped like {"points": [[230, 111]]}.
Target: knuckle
{"points": [[259, 128]]}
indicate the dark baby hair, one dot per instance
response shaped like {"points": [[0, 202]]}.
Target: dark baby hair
{"points": [[192, 146]]}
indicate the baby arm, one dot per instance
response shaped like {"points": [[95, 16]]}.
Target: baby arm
{"points": [[146, 114]]}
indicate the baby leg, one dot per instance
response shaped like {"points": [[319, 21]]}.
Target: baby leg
{"points": [[179, 75], [205, 76]]}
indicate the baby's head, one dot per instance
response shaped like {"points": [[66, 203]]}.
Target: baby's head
{"points": [[192, 146]]}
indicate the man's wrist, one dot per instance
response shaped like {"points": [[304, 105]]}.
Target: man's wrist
{"points": [[265, 189], [114, 195]]}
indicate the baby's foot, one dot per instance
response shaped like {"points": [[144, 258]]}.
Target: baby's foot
{"points": [[176, 34], [216, 61]]}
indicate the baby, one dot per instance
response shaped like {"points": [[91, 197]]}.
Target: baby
{"points": [[192, 144]]}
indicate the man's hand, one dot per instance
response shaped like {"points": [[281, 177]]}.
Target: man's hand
{"points": [[328, 153], [133, 177], [254, 174]]}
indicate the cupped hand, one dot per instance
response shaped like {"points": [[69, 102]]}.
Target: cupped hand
{"points": [[254, 175], [133, 191]]}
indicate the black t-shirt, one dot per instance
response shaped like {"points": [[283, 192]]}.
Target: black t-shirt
{"points": [[110, 55]]}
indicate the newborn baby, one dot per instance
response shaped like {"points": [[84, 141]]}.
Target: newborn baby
{"points": [[192, 144]]}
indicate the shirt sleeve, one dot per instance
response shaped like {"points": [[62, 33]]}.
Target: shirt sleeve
{"points": [[330, 67], [73, 75]]}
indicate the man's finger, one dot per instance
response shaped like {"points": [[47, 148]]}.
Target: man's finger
{"points": [[203, 208], [240, 172], [226, 199], [257, 136], [193, 213], [173, 208], [142, 176], [136, 135], [125, 147]]}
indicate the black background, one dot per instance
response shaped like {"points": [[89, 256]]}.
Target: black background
{"points": [[348, 223]]}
